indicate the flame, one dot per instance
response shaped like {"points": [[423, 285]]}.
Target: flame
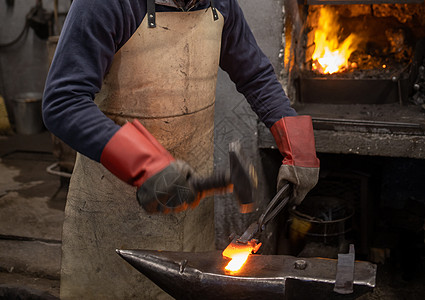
{"points": [[239, 253], [331, 56]]}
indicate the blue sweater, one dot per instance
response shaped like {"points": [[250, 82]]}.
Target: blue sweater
{"points": [[95, 30]]}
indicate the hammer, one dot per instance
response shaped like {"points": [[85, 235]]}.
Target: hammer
{"points": [[241, 178]]}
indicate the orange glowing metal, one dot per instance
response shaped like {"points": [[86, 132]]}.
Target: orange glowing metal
{"points": [[238, 253], [238, 260], [331, 56]]}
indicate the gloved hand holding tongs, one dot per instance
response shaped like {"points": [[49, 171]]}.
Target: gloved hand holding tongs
{"points": [[300, 166], [298, 173]]}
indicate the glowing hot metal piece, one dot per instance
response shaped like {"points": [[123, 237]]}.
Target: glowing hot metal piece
{"points": [[237, 262], [238, 253]]}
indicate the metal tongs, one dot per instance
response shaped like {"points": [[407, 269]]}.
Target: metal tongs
{"points": [[278, 202]]}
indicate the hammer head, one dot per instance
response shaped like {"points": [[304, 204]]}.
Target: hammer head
{"points": [[243, 177]]}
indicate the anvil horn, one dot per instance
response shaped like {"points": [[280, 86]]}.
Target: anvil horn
{"points": [[188, 275]]}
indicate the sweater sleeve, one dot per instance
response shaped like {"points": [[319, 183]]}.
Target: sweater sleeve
{"points": [[249, 68], [92, 33]]}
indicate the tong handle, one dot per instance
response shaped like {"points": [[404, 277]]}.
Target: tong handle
{"points": [[272, 209], [275, 206]]}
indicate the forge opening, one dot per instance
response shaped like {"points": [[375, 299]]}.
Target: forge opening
{"points": [[357, 53], [370, 40]]}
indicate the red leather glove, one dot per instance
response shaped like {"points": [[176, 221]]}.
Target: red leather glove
{"points": [[136, 157], [300, 166]]}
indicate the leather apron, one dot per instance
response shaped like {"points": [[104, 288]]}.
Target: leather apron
{"points": [[166, 78]]}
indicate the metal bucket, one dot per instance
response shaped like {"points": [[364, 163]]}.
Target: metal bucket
{"points": [[323, 220], [27, 112]]}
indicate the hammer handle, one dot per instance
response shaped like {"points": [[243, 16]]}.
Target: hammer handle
{"points": [[217, 181]]}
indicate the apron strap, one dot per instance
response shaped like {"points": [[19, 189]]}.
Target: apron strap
{"points": [[214, 11], [151, 13]]}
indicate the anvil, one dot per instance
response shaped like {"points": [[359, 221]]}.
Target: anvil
{"points": [[192, 275]]}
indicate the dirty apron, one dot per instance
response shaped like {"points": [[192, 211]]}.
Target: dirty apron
{"points": [[165, 77]]}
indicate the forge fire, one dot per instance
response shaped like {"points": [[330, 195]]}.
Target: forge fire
{"points": [[373, 39], [331, 55]]}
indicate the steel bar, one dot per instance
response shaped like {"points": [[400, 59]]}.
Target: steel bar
{"points": [[345, 272], [368, 126], [188, 275]]}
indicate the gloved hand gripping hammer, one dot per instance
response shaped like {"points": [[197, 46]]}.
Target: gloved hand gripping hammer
{"points": [[165, 184], [241, 178]]}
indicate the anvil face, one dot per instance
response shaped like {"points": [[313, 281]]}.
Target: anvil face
{"points": [[189, 275]]}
